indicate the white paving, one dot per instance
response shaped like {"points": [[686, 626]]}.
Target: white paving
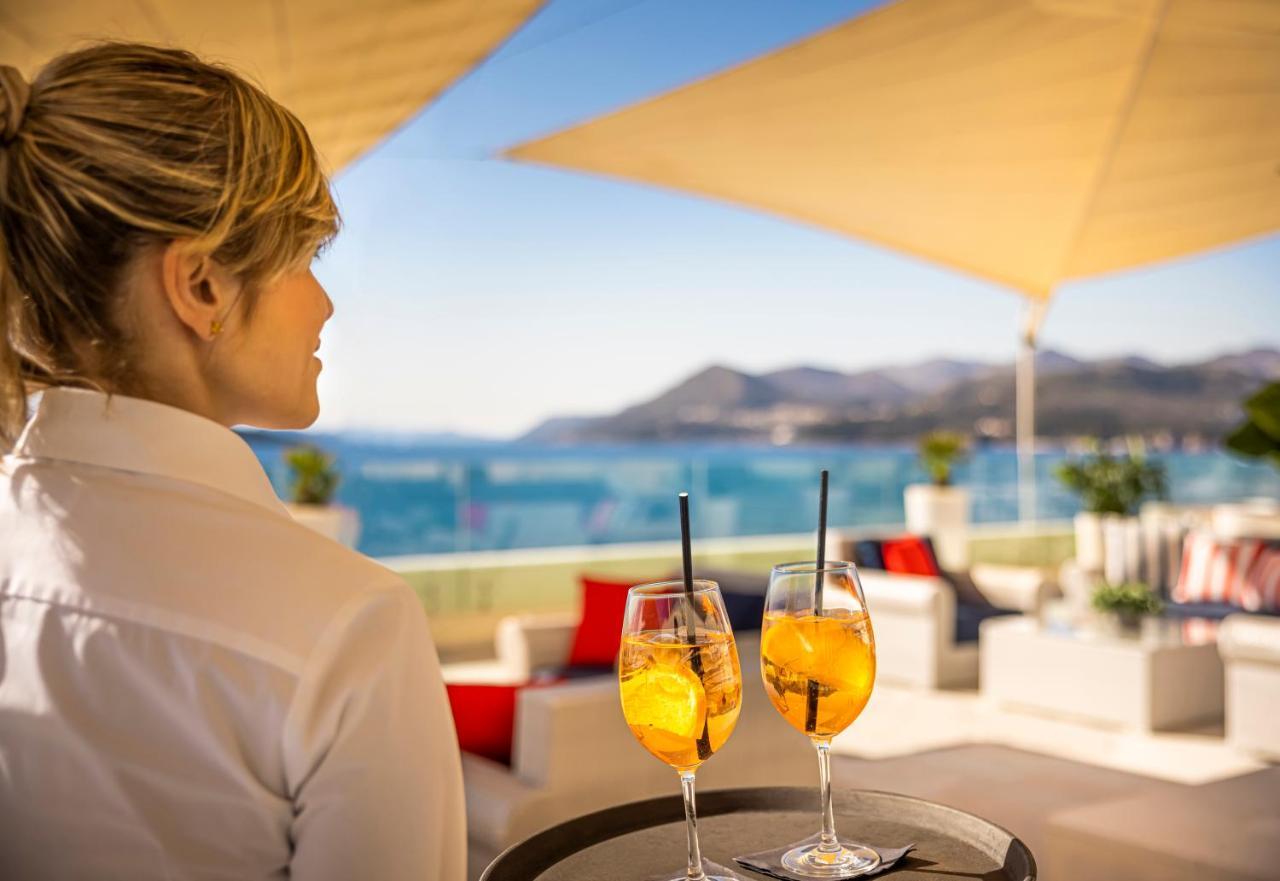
{"points": [[899, 721]]}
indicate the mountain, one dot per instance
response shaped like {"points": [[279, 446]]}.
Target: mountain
{"points": [[1051, 361], [1074, 397], [1259, 363], [1105, 400], [717, 386], [700, 407], [883, 384], [549, 430], [935, 374], [1137, 361], [813, 385]]}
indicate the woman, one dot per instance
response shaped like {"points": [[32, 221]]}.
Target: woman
{"points": [[191, 684]]}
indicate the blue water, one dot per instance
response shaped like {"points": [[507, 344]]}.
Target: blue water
{"points": [[416, 498]]}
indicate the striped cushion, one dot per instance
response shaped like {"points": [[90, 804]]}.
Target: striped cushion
{"points": [[1262, 582], [1214, 570]]}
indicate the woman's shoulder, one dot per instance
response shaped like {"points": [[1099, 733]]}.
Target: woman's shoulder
{"points": [[315, 579], [276, 578]]}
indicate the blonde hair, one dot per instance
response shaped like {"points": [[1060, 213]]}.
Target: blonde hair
{"points": [[117, 146]]}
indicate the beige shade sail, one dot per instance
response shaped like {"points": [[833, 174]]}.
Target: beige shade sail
{"points": [[1024, 142], [351, 71]]}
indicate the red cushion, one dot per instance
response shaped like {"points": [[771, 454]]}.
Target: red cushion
{"points": [[599, 633], [909, 555], [484, 716], [1214, 569]]}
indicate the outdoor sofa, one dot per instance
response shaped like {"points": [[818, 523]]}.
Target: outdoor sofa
{"points": [[1250, 649]]}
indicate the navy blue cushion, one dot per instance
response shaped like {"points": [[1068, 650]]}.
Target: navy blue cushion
{"points": [[967, 593], [732, 581], [576, 671], [1211, 611], [745, 610], [968, 617], [867, 555]]}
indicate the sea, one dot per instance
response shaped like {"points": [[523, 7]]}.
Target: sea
{"points": [[427, 497]]}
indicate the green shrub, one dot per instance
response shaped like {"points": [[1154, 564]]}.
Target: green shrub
{"points": [[1130, 599]]}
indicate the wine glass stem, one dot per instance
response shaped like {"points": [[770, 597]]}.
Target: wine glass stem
{"points": [[829, 842], [691, 826]]}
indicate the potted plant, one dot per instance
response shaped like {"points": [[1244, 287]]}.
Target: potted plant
{"points": [[1109, 487], [938, 509], [1127, 602], [312, 484]]}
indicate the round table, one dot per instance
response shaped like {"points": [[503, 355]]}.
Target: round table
{"points": [[638, 840]]}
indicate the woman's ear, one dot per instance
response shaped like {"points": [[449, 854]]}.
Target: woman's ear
{"points": [[200, 293]]}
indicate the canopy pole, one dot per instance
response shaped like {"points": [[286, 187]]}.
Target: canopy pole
{"points": [[1025, 407]]}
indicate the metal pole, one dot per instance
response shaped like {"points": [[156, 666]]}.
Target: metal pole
{"points": [[1025, 408]]}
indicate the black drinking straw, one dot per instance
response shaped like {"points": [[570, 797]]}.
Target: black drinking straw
{"points": [[822, 545], [686, 548], [811, 704]]}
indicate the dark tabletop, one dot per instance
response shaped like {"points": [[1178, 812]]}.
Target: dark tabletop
{"points": [[634, 841]]}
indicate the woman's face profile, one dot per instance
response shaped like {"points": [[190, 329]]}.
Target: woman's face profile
{"points": [[266, 365]]}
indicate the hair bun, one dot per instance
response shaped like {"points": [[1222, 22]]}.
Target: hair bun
{"points": [[14, 92]]}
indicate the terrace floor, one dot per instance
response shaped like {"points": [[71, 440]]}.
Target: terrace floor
{"points": [[1091, 802], [900, 721], [1084, 822]]}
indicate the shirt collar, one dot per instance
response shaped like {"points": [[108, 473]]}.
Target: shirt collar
{"points": [[144, 437]]}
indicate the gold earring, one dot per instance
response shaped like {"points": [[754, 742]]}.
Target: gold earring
{"points": [[215, 327]]}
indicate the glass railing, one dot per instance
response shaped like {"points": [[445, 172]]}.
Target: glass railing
{"points": [[422, 499]]}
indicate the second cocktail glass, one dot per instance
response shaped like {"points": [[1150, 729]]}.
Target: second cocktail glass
{"points": [[818, 659]]}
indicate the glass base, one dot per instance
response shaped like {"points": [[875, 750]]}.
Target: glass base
{"points": [[708, 876], [849, 861]]}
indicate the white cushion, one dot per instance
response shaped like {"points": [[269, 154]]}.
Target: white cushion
{"points": [[1023, 588]]}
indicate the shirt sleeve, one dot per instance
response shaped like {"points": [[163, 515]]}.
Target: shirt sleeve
{"points": [[370, 752]]}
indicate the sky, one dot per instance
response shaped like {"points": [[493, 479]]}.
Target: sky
{"points": [[479, 295]]}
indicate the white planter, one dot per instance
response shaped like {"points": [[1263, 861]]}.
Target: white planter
{"points": [[340, 523], [942, 513], [1089, 556], [1121, 549]]}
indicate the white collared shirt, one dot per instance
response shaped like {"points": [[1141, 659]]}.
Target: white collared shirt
{"points": [[192, 685]]}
